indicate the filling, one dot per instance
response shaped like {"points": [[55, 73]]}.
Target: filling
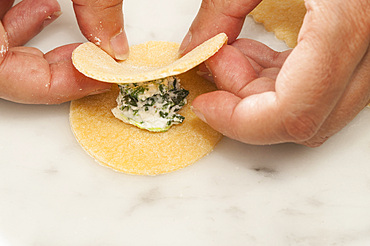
{"points": [[151, 105]]}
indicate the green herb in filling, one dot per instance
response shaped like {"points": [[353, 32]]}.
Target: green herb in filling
{"points": [[151, 105]]}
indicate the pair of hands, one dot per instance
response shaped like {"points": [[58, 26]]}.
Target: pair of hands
{"points": [[304, 96]]}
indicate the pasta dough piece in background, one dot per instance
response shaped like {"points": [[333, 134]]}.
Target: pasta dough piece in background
{"points": [[283, 17], [128, 149]]}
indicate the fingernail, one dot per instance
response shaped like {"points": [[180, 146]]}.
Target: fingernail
{"points": [[51, 18], [185, 43], [119, 46], [198, 113], [205, 72]]}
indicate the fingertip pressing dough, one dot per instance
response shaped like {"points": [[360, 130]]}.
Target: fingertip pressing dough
{"points": [[283, 17], [126, 148]]}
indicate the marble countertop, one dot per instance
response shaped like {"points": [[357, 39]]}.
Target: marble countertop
{"points": [[53, 193]]}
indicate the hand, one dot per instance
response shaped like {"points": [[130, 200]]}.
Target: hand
{"points": [[305, 95], [101, 22], [29, 76]]}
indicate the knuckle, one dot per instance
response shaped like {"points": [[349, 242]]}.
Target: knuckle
{"points": [[234, 9], [301, 127]]}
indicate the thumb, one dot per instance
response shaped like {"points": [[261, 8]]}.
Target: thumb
{"points": [[101, 22], [216, 16]]}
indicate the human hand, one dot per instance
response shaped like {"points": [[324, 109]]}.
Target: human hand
{"points": [[101, 22], [305, 95], [29, 76]]}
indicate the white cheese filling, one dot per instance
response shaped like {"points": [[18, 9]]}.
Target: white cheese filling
{"points": [[151, 105]]}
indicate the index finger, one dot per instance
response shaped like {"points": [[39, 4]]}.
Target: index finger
{"points": [[216, 16], [101, 22]]}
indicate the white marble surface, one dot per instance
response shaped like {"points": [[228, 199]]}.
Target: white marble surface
{"points": [[53, 193]]}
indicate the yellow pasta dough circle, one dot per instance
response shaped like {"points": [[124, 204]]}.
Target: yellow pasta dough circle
{"points": [[128, 149], [156, 60]]}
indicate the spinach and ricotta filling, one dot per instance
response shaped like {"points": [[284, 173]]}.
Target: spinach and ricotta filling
{"points": [[151, 105]]}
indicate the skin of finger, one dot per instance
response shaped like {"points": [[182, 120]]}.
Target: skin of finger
{"points": [[258, 86], [238, 113], [5, 5], [68, 84], [246, 115], [23, 76], [28, 51], [250, 120], [100, 21], [315, 75], [261, 53], [264, 82], [29, 78], [265, 61], [4, 43], [231, 70], [270, 73], [216, 16], [216, 109], [354, 99], [63, 53], [26, 19]]}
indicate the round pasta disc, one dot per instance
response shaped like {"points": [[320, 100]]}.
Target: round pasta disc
{"points": [[283, 17], [154, 63], [128, 149]]}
